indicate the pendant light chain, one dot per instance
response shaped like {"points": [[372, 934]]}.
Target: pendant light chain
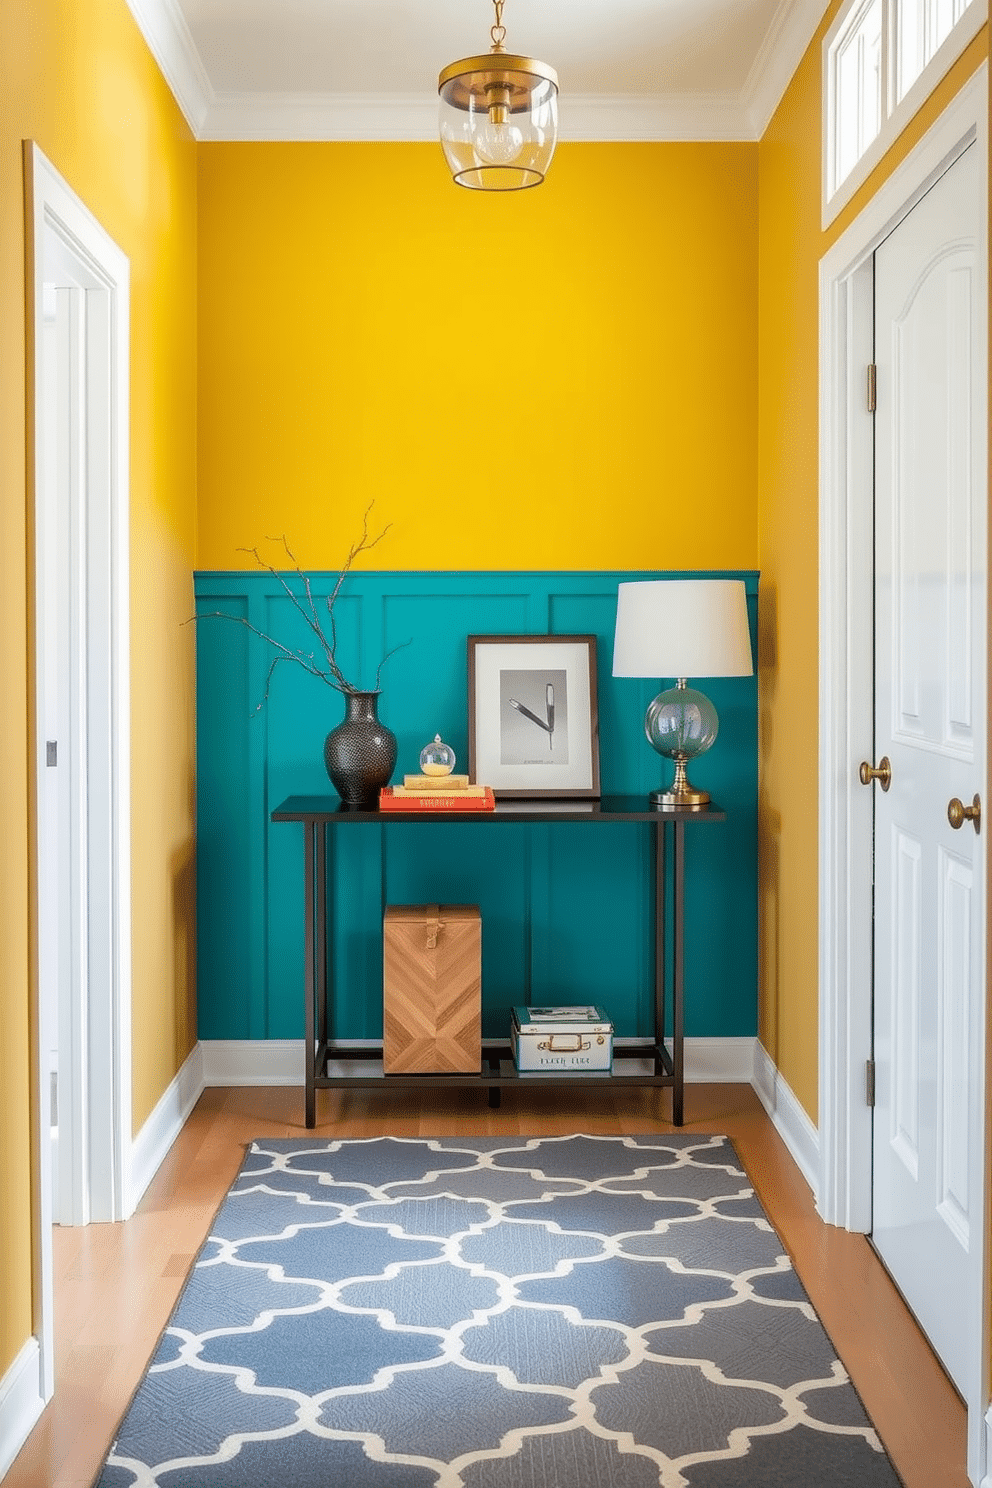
{"points": [[498, 31]]}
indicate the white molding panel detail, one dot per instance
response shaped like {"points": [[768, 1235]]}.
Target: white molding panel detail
{"points": [[163, 26], [151, 1145], [20, 1402], [413, 117], [781, 52], [280, 1061], [788, 1117], [584, 118]]}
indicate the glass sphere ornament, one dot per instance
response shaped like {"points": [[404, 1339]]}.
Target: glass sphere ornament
{"points": [[437, 758], [680, 724]]}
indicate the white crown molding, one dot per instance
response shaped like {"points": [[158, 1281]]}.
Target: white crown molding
{"points": [[786, 40], [168, 38], [412, 117], [618, 117], [614, 118], [321, 116]]}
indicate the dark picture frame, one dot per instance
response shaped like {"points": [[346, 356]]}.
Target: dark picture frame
{"points": [[533, 720]]}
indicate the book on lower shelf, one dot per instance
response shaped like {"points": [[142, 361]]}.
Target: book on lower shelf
{"points": [[562, 1019], [394, 798]]}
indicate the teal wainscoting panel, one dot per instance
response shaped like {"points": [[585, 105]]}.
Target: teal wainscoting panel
{"points": [[229, 986], [566, 910]]}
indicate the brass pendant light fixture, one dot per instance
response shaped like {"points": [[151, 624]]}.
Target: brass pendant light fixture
{"points": [[498, 117]]}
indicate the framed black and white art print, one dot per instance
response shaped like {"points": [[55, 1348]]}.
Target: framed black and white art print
{"points": [[532, 720]]}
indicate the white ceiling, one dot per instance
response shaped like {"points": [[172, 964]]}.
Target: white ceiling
{"points": [[367, 69]]}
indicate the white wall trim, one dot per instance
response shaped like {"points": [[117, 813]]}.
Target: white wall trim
{"points": [[845, 698], [66, 245], [986, 1480], [611, 119], [413, 117], [845, 703], [252, 1061], [719, 1061], [151, 1146], [167, 36], [785, 44], [788, 1117], [959, 39], [21, 1402], [280, 1061]]}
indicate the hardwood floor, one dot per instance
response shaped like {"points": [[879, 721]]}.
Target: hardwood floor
{"points": [[116, 1284]]}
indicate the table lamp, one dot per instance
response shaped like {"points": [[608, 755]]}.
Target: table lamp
{"points": [[682, 628]]}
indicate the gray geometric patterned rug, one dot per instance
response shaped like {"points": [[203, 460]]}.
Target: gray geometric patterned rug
{"points": [[548, 1312]]}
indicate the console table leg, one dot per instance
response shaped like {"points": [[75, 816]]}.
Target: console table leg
{"points": [[321, 934], [310, 834], [659, 944], [678, 974]]}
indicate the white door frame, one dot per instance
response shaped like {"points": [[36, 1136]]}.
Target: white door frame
{"points": [[846, 701], [68, 247]]}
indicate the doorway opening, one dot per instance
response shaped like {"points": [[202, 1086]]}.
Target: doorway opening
{"points": [[846, 703], [78, 338]]}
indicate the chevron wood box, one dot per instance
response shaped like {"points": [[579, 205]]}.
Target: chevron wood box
{"points": [[432, 989]]}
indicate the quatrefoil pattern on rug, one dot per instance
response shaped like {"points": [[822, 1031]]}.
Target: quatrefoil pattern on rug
{"points": [[580, 1311]]}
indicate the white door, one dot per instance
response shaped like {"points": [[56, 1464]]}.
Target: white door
{"points": [[930, 690], [61, 484]]}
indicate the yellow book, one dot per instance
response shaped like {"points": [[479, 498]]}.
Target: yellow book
{"points": [[439, 790], [444, 783]]}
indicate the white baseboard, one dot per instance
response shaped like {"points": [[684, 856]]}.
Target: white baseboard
{"points": [[788, 1117], [719, 1061], [20, 1402], [252, 1061], [986, 1481], [151, 1145], [280, 1061]]}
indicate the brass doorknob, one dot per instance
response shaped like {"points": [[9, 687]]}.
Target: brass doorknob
{"points": [[882, 772], [958, 814]]}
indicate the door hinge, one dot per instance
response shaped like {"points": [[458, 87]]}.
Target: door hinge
{"points": [[872, 385], [870, 1082], [54, 1098], [51, 751]]}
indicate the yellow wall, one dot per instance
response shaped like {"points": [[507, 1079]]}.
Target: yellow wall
{"points": [[78, 79], [572, 375], [791, 244], [567, 376]]}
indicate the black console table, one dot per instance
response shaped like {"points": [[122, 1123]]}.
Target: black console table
{"points": [[321, 814]]}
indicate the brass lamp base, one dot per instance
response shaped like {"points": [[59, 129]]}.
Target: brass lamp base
{"points": [[681, 793]]}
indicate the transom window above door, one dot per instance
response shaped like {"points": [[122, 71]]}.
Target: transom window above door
{"points": [[881, 59]]}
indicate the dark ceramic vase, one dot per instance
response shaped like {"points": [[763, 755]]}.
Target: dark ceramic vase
{"points": [[361, 752]]}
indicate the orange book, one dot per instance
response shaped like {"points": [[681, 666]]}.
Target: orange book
{"points": [[435, 801]]}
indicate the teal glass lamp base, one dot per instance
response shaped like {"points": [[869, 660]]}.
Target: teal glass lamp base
{"points": [[680, 724]]}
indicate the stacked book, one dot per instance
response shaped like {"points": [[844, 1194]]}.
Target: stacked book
{"points": [[437, 793]]}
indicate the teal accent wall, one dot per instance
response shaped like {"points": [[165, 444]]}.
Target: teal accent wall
{"points": [[566, 909]]}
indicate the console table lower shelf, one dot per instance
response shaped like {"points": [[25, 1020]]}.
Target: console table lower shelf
{"points": [[320, 814], [498, 1070]]}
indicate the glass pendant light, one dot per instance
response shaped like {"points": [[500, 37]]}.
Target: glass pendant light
{"points": [[498, 117]]}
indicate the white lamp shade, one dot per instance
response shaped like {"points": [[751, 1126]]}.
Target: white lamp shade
{"points": [[682, 628]]}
